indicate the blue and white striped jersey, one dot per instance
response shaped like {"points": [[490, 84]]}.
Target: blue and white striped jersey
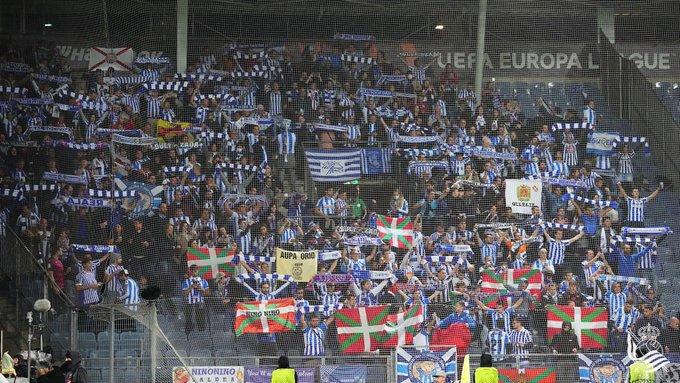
{"points": [[314, 338]]}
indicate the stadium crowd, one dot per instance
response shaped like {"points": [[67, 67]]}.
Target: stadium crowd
{"points": [[229, 171]]}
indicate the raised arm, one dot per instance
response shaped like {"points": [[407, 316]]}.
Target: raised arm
{"points": [[622, 190], [654, 193], [576, 237], [547, 236], [333, 266], [247, 286], [281, 288], [481, 305], [377, 289]]}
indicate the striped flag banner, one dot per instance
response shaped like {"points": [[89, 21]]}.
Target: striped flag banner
{"points": [[211, 260], [589, 324], [398, 232], [335, 165], [265, 317]]}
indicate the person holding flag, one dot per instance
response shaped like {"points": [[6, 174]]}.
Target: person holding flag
{"points": [[314, 334], [195, 288]]}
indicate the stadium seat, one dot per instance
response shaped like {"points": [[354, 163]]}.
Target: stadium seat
{"points": [[103, 339]]}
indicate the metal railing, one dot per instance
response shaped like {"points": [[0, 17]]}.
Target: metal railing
{"points": [[26, 280]]}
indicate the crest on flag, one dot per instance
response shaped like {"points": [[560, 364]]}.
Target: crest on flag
{"points": [[398, 232], [376, 161], [145, 197], [595, 368], [337, 165], [119, 59], [414, 366], [211, 260]]}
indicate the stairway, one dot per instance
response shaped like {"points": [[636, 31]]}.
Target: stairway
{"points": [[14, 334]]}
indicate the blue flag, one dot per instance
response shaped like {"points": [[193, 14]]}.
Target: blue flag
{"points": [[376, 161], [334, 165]]}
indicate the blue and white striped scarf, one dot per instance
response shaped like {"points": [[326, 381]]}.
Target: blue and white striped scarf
{"points": [[13, 89], [418, 139], [620, 278], [646, 231], [34, 101], [399, 78], [319, 308], [357, 59], [642, 241], [140, 79], [239, 74], [97, 249], [601, 203], [561, 226], [263, 277], [15, 67], [258, 258], [198, 77], [52, 78], [137, 141], [66, 178], [571, 125], [431, 164], [329, 255], [17, 194], [334, 128], [116, 193], [175, 86], [415, 153], [76, 146], [560, 182], [252, 56], [152, 60]]}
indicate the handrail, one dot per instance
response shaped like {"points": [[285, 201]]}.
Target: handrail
{"points": [[34, 263]]}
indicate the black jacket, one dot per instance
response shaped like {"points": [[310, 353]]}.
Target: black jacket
{"points": [[564, 342]]}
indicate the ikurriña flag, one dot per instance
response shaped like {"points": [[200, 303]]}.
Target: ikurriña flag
{"points": [[589, 324], [258, 317]]}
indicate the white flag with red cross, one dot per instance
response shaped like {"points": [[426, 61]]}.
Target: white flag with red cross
{"points": [[119, 59]]}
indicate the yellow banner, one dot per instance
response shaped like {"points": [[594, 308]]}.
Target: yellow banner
{"points": [[169, 130], [301, 265]]}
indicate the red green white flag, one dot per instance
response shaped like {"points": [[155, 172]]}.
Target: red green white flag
{"points": [[211, 260], [258, 317], [398, 232], [589, 324], [494, 283], [400, 328], [528, 375], [361, 329]]}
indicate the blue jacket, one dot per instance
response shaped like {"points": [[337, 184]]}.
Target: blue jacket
{"points": [[463, 317], [628, 263]]}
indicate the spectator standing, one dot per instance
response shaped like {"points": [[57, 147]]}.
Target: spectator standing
{"points": [[195, 288]]}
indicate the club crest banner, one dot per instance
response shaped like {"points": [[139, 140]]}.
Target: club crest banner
{"points": [[414, 366], [521, 195], [301, 265]]}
